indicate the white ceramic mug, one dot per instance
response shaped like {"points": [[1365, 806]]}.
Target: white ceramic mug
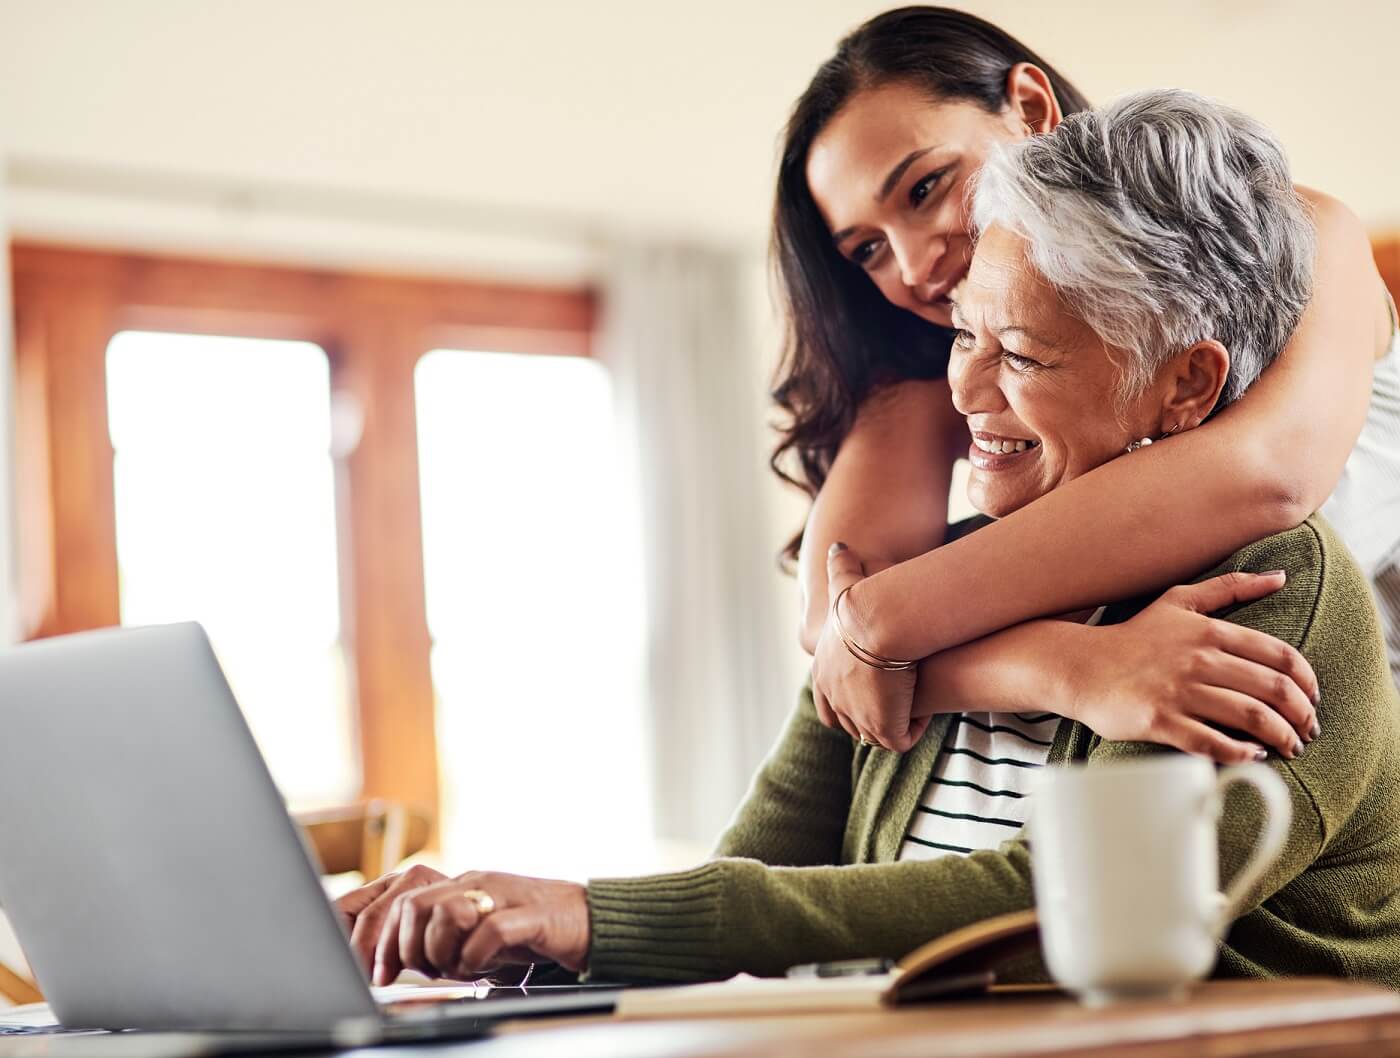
{"points": [[1127, 873]]}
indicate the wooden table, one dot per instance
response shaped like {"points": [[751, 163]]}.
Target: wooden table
{"points": [[1221, 1019]]}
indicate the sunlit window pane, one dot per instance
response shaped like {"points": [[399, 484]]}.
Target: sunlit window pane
{"points": [[226, 515], [534, 604]]}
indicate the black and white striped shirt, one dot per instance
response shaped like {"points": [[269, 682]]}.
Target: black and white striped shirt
{"points": [[976, 798], [978, 794]]}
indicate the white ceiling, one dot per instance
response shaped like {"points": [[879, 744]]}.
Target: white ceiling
{"points": [[651, 118]]}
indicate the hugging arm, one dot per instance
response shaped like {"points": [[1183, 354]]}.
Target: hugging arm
{"points": [[1134, 525], [887, 493], [1170, 675], [1141, 524]]}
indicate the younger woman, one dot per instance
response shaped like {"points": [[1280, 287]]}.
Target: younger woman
{"points": [[871, 237]]}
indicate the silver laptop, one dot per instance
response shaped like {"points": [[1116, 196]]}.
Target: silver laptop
{"points": [[147, 861]]}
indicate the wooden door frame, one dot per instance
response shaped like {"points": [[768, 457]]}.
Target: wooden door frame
{"points": [[70, 302]]}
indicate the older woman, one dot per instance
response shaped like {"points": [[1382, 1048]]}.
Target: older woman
{"points": [[1137, 269]]}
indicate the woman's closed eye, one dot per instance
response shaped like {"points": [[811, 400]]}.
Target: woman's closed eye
{"points": [[967, 341]]}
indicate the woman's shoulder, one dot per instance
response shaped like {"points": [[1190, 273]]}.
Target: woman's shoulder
{"points": [[1324, 607], [1300, 550], [1312, 550]]}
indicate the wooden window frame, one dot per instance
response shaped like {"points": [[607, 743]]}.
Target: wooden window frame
{"points": [[70, 302]]}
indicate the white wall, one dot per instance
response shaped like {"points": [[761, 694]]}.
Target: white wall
{"points": [[520, 138], [654, 116]]}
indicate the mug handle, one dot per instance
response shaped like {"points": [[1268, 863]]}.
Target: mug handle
{"points": [[1278, 814]]}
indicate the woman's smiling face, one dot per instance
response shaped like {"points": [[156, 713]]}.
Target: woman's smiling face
{"points": [[889, 174], [1039, 389]]}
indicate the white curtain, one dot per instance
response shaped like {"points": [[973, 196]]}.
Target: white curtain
{"points": [[690, 395]]}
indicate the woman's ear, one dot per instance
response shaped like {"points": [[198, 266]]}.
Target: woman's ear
{"points": [[1031, 98], [1194, 380]]}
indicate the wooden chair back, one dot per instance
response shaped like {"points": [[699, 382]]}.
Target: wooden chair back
{"points": [[372, 838], [17, 988]]}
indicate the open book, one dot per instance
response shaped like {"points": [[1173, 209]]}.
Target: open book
{"points": [[957, 963]]}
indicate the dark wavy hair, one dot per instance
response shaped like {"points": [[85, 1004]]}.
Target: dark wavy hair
{"points": [[843, 339]]}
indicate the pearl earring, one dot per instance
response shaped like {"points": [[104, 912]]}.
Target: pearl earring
{"points": [[1145, 441]]}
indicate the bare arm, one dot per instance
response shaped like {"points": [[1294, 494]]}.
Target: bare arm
{"points": [[1169, 675], [1140, 524], [887, 493]]}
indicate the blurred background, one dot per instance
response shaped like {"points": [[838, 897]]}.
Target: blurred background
{"points": [[420, 351]]}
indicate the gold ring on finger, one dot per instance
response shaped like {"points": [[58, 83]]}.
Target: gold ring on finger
{"points": [[480, 899]]}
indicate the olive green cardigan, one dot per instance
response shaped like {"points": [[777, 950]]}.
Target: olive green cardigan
{"points": [[808, 869]]}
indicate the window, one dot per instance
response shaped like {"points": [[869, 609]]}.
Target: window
{"points": [[167, 475], [534, 600], [225, 514]]}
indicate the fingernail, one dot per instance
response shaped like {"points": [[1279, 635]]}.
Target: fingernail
{"points": [[835, 549], [1297, 749], [1316, 730], [1261, 754], [1274, 573], [1316, 698]]}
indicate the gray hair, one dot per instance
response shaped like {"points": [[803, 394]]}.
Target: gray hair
{"points": [[1163, 219]]}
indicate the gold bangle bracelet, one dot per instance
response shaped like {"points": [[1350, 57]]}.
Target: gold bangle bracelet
{"points": [[866, 657]]}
